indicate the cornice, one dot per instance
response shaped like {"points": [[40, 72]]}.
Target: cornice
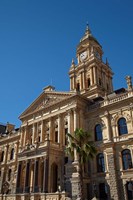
{"points": [[44, 95]]}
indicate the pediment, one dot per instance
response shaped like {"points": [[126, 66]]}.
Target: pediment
{"points": [[45, 100]]}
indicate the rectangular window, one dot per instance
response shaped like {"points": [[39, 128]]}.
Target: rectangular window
{"points": [[56, 136]]}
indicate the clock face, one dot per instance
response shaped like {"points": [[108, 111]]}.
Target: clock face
{"points": [[83, 55]]}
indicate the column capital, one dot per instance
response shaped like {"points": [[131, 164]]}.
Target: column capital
{"points": [[76, 110], [69, 111]]}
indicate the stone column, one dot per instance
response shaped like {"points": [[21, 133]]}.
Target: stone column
{"points": [[27, 175], [81, 119], [125, 190], [108, 124], [91, 76], [113, 177], [22, 136], [71, 88], [114, 132], [69, 121], [94, 75], [42, 132], [25, 133], [84, 80], [1, 181], [5, 153], [18, 182], [31, 175], [45, 175], [33, 134], [59, 129], [76, 119], [50, 129], [76, 125], [36, 189]]}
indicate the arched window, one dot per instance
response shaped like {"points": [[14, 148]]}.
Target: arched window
{"points": [[98, 132], [122, 126], [126, 159], [78, 87], [100, 163], [9, 174], [12, 154]]}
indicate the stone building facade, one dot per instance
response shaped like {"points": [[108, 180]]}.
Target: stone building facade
{"points": [[35, 165]]}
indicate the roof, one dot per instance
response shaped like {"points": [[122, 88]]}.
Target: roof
{"points": [[88, 36], [2, 129]]}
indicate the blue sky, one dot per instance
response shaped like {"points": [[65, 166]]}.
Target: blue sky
{"points": [[38, 40]]}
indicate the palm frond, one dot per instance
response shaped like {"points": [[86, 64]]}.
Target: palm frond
{"points": [[80, 141]]}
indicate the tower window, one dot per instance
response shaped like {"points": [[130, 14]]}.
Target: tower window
{"points": [[88, 82], [122, 126], [78, 87]]}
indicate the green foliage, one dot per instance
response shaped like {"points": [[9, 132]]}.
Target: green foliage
{"points": [[80, 140]]}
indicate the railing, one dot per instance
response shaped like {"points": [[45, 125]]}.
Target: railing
{"points": [[28, 189], [111, 100], [19, 190], [59, 195]]}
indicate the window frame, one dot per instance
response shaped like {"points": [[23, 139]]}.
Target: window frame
{"points": [[12, 154], [122, 126], [126, 159], [98, 132], [100, 163]]}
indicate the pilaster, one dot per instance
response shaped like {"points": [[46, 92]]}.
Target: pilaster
{"points": [[112, 178]]}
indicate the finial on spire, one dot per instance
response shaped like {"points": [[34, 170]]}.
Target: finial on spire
{"points": [[88, 31], [107, 63], [73, 61], [72, 64]]}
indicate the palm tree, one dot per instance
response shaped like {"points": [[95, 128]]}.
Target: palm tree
{"points": [[80, 143]]}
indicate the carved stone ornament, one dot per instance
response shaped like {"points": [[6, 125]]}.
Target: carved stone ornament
{"points": [[117, 116], [5, 187]]}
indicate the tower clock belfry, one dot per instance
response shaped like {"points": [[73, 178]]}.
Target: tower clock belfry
{"points": [[90, 76]]}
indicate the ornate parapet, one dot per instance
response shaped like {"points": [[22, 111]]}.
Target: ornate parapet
{"points": [[43, 196]]}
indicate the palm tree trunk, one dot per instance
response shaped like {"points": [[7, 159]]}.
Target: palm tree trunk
{"points": [[81, 180]]}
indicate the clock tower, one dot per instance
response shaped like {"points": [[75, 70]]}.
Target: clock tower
{"points": [[91, 77]]}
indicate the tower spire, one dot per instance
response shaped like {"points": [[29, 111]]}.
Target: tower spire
{"points": [[87, 31]]}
